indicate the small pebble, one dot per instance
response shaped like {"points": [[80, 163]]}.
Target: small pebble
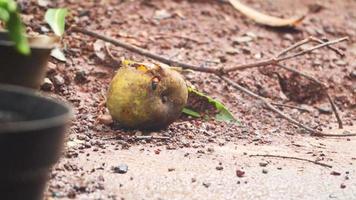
{"points": [[334, 173], [288, 37], [263, 164], [341, 63], [210, 150], [51, 68], [121, 169], [58, 80], [71, 194], [105, 119], [242, 39], [240, 173], [265, 171], [47, 85], [324, 109], [219, 168], [206, 184], [80, 77]]}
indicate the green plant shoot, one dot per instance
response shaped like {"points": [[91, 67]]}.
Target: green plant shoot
{"points": [[10, 16]]}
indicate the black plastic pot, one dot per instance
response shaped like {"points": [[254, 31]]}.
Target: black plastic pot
{"points": [[32, 132], [25, 70]]}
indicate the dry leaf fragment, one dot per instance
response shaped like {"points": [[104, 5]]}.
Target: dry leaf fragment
{"points": [[264, 19], [99, 47]]}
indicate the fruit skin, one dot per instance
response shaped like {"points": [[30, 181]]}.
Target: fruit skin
{"points": [[146, 96]]}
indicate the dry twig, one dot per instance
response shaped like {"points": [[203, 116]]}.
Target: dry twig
{"points": [[333, 106], [150, 137], [141, 137], [269, 105], [305, 41], [222, 73], [112, 57], [143, 51], [291, 157], [275, 60]]}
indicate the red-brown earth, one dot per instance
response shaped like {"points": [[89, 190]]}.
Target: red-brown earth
{"points": [[205, 159]]}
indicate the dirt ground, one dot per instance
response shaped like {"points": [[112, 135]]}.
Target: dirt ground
{"points": [[206, 159]]}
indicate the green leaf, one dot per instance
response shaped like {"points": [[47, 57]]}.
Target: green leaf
{"points": [[4, 15], [8, 5], [17, 33], [223, 114], [55, 17], [9, 15], [191, 112]]}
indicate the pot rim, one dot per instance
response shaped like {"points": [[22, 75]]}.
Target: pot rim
{"points": [[32, 125], [35, 42]]}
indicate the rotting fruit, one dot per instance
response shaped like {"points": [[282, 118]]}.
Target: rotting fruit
{"points": [[146, 95]]}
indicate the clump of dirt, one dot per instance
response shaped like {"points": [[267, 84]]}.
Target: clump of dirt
{"points": [[300, 89]]}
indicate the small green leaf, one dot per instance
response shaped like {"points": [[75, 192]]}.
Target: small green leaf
{"points": [[223, 113], [17, 33], [9, 15], [190, 112], [55, 17], [9, 5], [4, 15]]}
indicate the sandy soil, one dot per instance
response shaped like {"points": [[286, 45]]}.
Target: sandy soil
{"points": [[204, 159]]}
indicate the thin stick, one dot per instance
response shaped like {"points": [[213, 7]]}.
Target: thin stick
{"points": [[336, 50], [142, 137], [291, 157], [312, 49], [275, 60], [270, 106], [143, 51], [337, 135], [307, 40], [294, 46], [333, 106], [282, 114], [270, 61], [149, 137], [112, 57], [219, 71]]}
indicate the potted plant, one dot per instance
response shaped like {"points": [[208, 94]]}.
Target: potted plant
{"points": [[32, 131], [32, 127], [24, 59]]}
